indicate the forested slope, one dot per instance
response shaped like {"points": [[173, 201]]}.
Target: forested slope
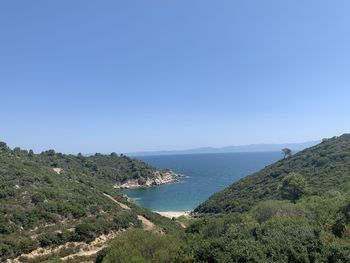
{"points": [[49, 199], [325, 166]]}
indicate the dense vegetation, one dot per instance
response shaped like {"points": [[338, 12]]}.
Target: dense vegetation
{"points": [[143, 247], [296, 210], [113, 168], [314, 229], [325, 167], [49, 199], [275, 231]]}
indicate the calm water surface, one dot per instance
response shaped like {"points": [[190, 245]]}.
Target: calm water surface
{"points": [[206, 174]]}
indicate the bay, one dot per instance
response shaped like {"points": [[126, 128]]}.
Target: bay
{"points": [[205, 175]]}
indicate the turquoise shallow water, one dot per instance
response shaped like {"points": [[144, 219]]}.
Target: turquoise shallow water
{"points": [[205, 175]]}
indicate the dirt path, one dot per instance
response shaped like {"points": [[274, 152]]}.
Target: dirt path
{"points": [[124, 206], [182, 224], [94, 247], [84, 253], [147, 224], [86, 250]]}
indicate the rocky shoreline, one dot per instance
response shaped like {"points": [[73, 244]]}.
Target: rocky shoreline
{"points": [[158, 178]]}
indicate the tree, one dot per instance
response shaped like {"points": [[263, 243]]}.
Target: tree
{"points": [[51, 152], [287, 152], [85, 232], [3, 145], [38, 198], [17, 149], [342, 225], [293, 186]]}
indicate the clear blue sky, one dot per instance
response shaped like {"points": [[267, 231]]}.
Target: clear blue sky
{"points": [[87, 76]]}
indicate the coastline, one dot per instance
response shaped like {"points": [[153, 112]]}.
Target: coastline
{"points": [[158, 178], [173, 214]]}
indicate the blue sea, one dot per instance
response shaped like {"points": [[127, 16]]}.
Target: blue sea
{"points": [[205, 174]]}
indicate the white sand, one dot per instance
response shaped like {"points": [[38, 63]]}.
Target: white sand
{"points": [[171, 214]]}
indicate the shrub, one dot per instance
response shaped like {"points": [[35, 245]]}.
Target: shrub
{"points": [[293, 186], [138, 246], [38, 198], [85, 232], [276, 209]]}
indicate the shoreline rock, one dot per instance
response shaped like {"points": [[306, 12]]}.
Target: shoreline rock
{"points": [[158, 178]]}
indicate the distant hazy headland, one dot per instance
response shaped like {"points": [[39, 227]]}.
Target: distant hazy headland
{"points": [[233, 149]]}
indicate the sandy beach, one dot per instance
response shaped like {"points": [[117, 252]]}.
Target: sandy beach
{"points": [[171, 214]]}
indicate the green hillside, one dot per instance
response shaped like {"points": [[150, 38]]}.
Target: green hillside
{"points": [[325, 167], [294, 211], [49, 199]]}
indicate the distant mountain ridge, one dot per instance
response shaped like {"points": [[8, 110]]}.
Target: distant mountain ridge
{"points": [[233, 149]]}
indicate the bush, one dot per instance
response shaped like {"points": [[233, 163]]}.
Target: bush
{"points": [[271, 209], [5, 250], [54, 238], [85, 232], [138, 246], [38, 198], [293, 186], [26, 244]]}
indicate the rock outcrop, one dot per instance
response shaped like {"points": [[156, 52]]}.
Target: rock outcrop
{"points": [[158, 178]]}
